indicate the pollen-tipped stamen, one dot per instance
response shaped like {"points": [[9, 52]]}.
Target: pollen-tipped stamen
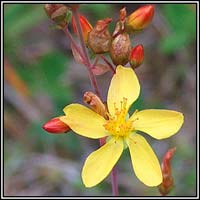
{"points": [[118, 125]]}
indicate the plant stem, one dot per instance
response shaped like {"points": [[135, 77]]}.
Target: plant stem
{"points": [[88, 64], [115, 191], [95, 86], [108, 63], [67, 33]]}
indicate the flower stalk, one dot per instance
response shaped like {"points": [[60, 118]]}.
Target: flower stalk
{"points": [[87, 61], [115, 190], [94, 84]]}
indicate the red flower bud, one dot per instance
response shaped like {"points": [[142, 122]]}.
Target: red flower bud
{"points": [[136, 56], [55, 125], [140, 19], [99, 39], [168, 182], [85, 26]]}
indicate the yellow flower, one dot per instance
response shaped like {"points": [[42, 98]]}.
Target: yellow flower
{"points": [[121, 131]]}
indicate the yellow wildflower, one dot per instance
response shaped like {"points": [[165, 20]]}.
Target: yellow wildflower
{"points": [[121, 131]]}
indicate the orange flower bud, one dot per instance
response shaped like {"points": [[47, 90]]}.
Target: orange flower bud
{"points": [[140, 19], [58, 13], [55, 125], [120, 49], [99, 39], [85, 26], [95, 103], [168, 182], [136, 56]]}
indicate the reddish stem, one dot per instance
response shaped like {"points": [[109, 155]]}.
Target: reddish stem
{"points": [[108, 63], [88, 64], [67, 33], [115, 190], [94, 84]]}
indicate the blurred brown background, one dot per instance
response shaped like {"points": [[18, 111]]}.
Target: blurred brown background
{"points": [[41, 77]]}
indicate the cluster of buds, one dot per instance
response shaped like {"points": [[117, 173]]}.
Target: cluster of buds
{"points": [[98, 38], [100, 41], [168, 182]]}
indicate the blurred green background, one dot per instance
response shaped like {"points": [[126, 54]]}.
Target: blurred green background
{"points": [[41, 77]]}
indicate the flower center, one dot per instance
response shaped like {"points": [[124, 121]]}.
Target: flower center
{"points": [[119, 125]]}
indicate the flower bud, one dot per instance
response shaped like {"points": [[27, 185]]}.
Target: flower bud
{"points": [[59, 13], [120, 49], [85, 26], [140, 19], [95, 103], [136, 56], [55, 125], [168, 182], [99, 39]]}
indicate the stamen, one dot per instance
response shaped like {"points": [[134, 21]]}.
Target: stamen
{"points": [[118, 125]]}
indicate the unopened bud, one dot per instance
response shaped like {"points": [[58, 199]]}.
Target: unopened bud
{"points": [[99, 39], [136, 56], [140, 18], [120, 49], [95, 103], [168, 182], [59, 13], [55, 125], [85, 26]]}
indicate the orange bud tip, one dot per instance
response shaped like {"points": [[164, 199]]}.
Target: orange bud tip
{"points": [[85, 26], [140, 18], [136, 56], [55, 125]]}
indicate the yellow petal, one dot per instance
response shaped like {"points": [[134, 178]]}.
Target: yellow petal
{"points": [[99, 163], [159, 124], [145, 163], [84, 121], [124, 84]]}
